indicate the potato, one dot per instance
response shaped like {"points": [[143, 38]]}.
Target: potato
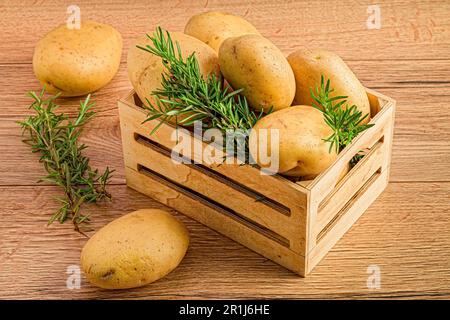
{"points": [[214, 27], [310, 65], [134, 250], [256, 65], [78, 61], [145, 69], [302, 150]]}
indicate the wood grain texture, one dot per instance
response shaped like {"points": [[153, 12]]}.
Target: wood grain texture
{"points": [[409, 30], [406, 231]]}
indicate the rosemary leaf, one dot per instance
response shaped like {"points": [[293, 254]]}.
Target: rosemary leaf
{"points": [[55, 137], [345, 121]]}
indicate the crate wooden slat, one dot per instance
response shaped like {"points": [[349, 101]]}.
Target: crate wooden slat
{"points": [[293, 224]]}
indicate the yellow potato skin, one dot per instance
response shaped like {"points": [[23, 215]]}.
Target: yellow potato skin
{"points": [[214, 27], [134, 250], [309, 65], [255, 64], [78, 61], [302, 150], [145, 69]]}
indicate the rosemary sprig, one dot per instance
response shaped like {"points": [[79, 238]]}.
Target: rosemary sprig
{"points": [[55, 138], [188, 97], [345, 121]]}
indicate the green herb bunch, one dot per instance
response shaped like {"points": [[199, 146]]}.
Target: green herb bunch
{"points": [[55, 138], [345, 121], [186, 96]]}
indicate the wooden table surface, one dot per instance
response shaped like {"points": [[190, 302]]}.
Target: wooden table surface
{"points": [[406, 232]]}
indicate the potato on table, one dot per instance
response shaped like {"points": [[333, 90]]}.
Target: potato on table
{"points": [[134, 250], [78, 61]]}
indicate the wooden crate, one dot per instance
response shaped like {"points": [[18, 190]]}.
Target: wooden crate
{"points": [[293, 224]]}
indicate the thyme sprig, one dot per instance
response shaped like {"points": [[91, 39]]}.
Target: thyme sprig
{"points": [[55, 137], [186, 96], [345, 121]]}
